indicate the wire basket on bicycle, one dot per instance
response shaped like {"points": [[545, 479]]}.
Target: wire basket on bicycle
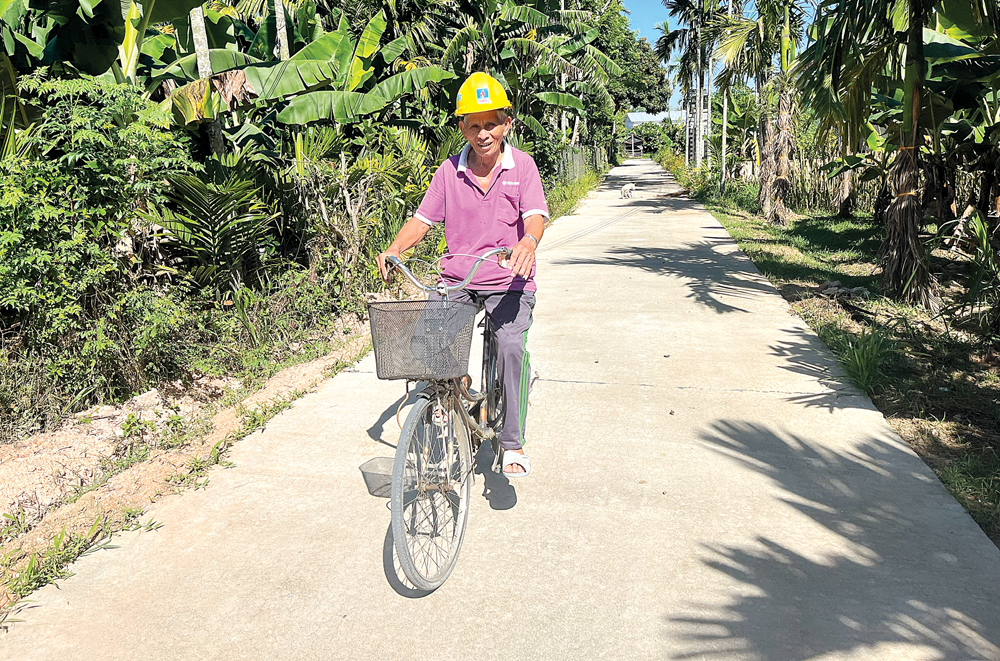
{"points": [[421, 340]]}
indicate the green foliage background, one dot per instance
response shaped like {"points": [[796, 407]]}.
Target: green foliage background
{"points": [[156, 226]]}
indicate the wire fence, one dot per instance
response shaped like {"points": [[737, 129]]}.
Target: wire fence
{"points": [[574, 162]]}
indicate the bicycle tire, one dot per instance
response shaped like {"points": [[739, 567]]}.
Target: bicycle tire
{"points": [[428, 525], [492, 385]]}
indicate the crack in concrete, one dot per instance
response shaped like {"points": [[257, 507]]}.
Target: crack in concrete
{"points": [[832, 391]]}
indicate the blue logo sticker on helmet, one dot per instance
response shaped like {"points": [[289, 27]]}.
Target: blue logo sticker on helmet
{"points": [[482, 95]]}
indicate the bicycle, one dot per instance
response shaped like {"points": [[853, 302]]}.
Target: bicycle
{"points": [[430, 340]]}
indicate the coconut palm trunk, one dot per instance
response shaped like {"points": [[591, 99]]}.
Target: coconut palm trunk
{"points": [[199, 36], [281, 29], [765, 173], [725, 125], [905, 267], [845, 195], [781, 146]]}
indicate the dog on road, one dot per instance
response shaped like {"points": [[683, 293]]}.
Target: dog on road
{"points": [[628, 190]]}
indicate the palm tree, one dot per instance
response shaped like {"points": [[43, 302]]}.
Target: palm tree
{"points": [[748, 46], [693, 43], [854, 47]]}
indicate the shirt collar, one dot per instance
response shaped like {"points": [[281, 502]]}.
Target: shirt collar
{"points": [[506, 162]]}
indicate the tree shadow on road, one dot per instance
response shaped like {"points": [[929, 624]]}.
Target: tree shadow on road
{"points": [[804, 353], [715, 277], [894, 567]]}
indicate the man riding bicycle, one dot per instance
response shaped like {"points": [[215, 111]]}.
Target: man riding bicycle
{"points": [[489, 196]]}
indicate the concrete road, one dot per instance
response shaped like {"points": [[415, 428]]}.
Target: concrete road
{"points": [[706, 485]]}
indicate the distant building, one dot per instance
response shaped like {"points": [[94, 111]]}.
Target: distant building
{"points": [[632, 119]]}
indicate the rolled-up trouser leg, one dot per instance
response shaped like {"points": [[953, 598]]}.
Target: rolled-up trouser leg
{"points": [[510, 313]]}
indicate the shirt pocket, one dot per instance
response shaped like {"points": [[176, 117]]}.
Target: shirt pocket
{"points": [[509, 208]]}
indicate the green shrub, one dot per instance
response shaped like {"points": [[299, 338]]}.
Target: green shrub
{"points": [[863, 357], [98, 155], [74, 312], [563, 198], [741, 195]]}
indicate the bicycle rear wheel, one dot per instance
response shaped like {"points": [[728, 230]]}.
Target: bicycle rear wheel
{"points": [[493, 408], [431, 491]]}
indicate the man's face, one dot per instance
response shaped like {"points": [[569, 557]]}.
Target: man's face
{"points": [[485, 131]]}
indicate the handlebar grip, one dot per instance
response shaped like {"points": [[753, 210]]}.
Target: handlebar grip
{"points": [[391, 262]]}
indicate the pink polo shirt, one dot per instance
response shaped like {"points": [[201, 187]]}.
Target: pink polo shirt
{"points": [[475, 222]]}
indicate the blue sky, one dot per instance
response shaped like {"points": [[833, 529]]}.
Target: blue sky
{"points": [[644, 15]]}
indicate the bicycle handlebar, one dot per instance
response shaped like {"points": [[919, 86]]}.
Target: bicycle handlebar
{"points": [[396, 262]]}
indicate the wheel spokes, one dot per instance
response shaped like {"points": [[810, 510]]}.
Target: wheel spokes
{"points": [[434, 492]]}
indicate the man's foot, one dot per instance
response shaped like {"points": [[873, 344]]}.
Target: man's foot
{"points": [[516, 463]]}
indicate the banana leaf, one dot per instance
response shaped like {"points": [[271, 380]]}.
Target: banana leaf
{"points": [[407, 82], [939, 47], [393, 49], [560, 99], [534, 125], [162, 48], [324, 48], [326, 105], [221, 30], [574, 44], [364, 52], [279, 80], [524, 14], [984, 68], [165, 11], [342, 57], [186, 68], [962, 20], [263, 43]]}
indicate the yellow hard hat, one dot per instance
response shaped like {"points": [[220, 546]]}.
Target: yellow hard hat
{"points": [[480, 92]]}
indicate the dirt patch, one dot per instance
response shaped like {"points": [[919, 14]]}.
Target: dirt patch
{"points": [[43, 470], [42, 477]]}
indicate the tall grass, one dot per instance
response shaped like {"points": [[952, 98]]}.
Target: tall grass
{"points": [[564, 197]]}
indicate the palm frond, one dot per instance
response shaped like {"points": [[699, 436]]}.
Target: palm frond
{"points": [[542, 54]]}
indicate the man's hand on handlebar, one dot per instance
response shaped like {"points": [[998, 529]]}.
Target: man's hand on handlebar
{"points": [[383, 267], [522, 257]]}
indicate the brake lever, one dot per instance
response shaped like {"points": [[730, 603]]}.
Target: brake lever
{"points": [[502, 258]]}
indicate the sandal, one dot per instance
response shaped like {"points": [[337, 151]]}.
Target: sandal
{"points": [[516, 458]]}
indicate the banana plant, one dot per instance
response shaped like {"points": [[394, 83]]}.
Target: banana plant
{"points": [[546, 59], [330, 79]]}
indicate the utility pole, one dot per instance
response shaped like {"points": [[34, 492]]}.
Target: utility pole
{"points": [[699, 145]]}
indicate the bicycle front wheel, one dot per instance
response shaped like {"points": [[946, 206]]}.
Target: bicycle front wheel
{"points": [[431, 490]]}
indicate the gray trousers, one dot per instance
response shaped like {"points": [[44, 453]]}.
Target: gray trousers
{"points": [[510, 314]]}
